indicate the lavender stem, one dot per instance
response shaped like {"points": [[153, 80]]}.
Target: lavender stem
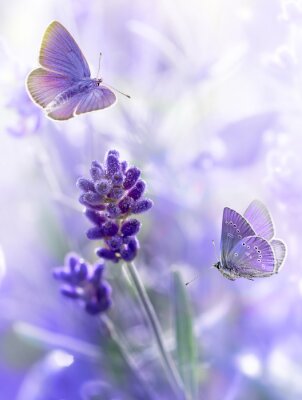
{"points": [[146, 304], [107, 324]]}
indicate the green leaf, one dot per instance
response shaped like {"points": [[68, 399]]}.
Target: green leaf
{"points": [[186, 347]]}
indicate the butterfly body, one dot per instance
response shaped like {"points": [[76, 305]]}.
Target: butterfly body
{"points": [[231, 272], [248, 249], [62, 86], [82, 87]]}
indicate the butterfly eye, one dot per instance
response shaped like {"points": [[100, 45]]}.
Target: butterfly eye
{"points": [[237, 230], [236, 254], [260, 256], [231, 223], [235, 226], [239, 236], [248, 247], [255, 247], [259, 260], [243, 244], [259, 251]]}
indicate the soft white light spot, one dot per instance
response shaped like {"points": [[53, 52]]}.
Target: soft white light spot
{"points": [[245, 13], [249, 364], [62, 359], [284, 370]]}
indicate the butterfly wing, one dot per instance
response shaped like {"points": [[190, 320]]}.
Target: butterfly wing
{"points": [[97, 99], [252, 256], [44, 86], [234, 228], [66, 110], [60, 53], [259, 218], [279, 250]]}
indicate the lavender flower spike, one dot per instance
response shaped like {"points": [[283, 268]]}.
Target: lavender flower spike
{"points": [[84, 282], [111, 195]]}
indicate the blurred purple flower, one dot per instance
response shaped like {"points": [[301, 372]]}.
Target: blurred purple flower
{"points": [[111, 196], [84, 282], [27, 119]]}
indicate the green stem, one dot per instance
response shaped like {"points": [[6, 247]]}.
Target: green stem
{"points": [[146, 304], [110, 332]]}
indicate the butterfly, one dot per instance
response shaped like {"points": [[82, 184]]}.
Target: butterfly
{"points": [[62, 86], [248, 249]]}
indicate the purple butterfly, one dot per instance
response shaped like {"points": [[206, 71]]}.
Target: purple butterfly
{"points": [[63, 86], [248, 249]]}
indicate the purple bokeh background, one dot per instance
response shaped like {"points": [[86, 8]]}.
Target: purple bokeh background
{"points": [[214, 120]]}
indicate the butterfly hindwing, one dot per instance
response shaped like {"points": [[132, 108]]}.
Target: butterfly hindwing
{"points": [[97, 99], [66, 110], [279, 250], [252, 256], [61, 54], [259, 218], [234, 228]]}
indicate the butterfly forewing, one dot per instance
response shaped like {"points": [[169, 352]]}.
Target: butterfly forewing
{"points": [[60, 53], [253, 256], [234, 228], [259, 218], [99, 98], [279, 250]]}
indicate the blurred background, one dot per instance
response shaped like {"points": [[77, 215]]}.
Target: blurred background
{"points": [[214, 120]]}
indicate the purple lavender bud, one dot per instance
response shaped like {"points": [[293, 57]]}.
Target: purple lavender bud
{"points": [[114, 242], [97, 207], [85, 185], [95, 307], [107, 254], [117, 179], [98, 273], [125, 204], [116, 193], [141, 206], [70, 292], [82, 271], [112, 165], [132, 176], [113, 153], [137, 191], [129, 249], [109, 228], [124, 166], [103, 186], [95, 163], [61, 275], [130, 227], [96, 171], [71, 260], [95, 217], [92, 198], [113, 210], [131, 242], [95, 233]]}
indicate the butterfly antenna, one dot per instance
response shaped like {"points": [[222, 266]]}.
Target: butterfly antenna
{"points": [[124, 94], [100, 56], [192, 280], [215, 251]]}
